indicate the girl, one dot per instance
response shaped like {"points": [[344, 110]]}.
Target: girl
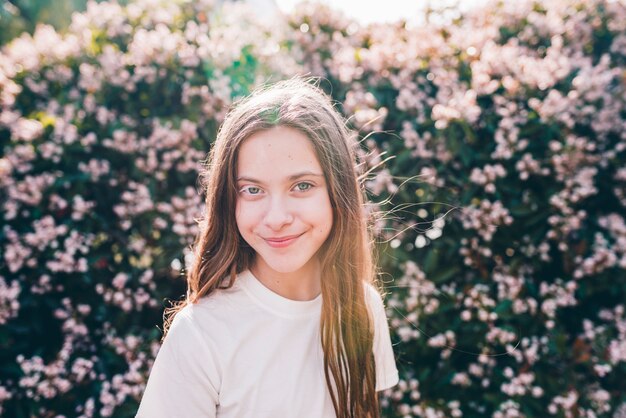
{"points": [[281, 318]]}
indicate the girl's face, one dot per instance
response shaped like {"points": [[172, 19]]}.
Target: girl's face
{"points": [[283, 209]]}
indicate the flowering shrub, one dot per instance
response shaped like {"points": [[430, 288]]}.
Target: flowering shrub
{"points": [[504, 248], [103, 130], [505, 242]]}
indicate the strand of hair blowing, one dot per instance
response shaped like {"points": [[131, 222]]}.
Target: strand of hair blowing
{"points": [[346, 257]]}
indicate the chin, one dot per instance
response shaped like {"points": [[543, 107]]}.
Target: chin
{"points": [[285, 264], [285, 267]]}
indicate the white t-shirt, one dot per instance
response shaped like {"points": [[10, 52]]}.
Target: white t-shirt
{"points": [[249, 352]]}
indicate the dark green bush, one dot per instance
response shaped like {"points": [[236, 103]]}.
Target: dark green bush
{"points": [[504, 245]]}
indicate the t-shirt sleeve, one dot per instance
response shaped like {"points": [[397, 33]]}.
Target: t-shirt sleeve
{"points": [[184, 380], [386, 371]]}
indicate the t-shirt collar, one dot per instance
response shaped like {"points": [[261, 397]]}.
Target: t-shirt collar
{"points": [[276, 303]]}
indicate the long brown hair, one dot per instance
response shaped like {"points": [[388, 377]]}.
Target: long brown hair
{"points": [[220, 252]]}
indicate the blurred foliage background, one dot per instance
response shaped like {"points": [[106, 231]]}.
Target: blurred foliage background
{"points": [[498, 143], [18, 16]]}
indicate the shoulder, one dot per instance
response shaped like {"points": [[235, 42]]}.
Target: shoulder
{"points": [[373, 298], [213, 318], [386, 370], [184, 325], [375, 303], [187, 320], [196, 331], [220, 303]]}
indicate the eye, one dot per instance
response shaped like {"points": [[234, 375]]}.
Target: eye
{"points": [[251, 190], [303, 186]]}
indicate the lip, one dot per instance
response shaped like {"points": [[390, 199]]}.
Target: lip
{"points": [[281, 242]]}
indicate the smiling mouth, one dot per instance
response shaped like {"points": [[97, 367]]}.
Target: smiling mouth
{"points": [[283, 241]]}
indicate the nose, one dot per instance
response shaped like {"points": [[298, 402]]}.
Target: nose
{"points": [[278, 214]]}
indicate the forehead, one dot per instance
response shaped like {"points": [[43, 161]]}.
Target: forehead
{"points": [[276, 153]]}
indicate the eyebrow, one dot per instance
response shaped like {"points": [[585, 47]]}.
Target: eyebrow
{"points": [[290, 178]]}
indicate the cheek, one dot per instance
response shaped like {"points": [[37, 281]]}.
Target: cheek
{"points": [[248, 216], [324, 217], [241, 218]]}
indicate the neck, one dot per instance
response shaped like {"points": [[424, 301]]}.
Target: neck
{"points": [[302, 285]]}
